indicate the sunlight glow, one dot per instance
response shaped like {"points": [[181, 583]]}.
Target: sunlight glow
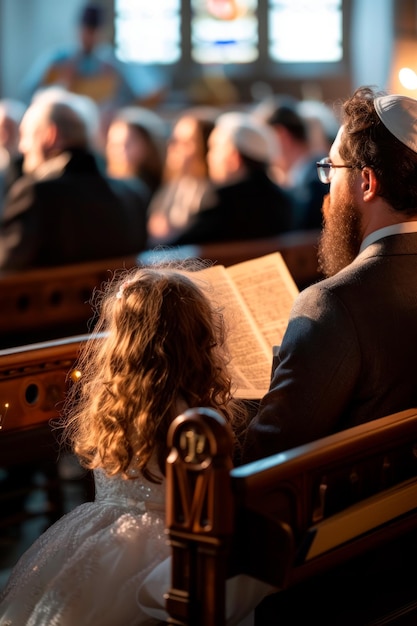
{"points": [[408, 78]]}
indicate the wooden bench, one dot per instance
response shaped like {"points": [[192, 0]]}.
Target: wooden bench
{"points": [[50, 303], [33, 383], [298, 248], [291, 520]]}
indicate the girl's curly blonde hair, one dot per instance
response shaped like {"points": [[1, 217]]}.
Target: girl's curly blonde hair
{"points": [[163, 343]]}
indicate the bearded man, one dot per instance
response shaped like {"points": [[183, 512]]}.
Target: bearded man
{"points": [[348, 355]]}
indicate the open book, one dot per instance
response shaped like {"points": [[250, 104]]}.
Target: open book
{"points": [[257, 296]]}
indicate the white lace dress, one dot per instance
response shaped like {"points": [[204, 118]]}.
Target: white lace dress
{"points": [[87, 568]]}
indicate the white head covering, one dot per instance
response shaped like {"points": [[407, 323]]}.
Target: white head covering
{"points": [[399, 116], [252, 138]]}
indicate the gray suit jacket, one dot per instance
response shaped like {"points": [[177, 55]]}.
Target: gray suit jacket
{"points": [[349, 353]]}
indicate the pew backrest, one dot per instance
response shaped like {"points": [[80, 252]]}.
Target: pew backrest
{"points": [[298, 249], [284, 518], [50, 303]]}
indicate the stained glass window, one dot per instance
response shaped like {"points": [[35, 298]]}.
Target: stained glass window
{"points": [[148, 31], [224, 31], [229, 31], [305, 31]]}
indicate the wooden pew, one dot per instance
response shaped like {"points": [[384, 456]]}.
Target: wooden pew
{"points": [[33, 383], [298, 248], [292, 519], [288, 520], [50, 303]]}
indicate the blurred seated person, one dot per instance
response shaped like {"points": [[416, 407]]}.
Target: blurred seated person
{"points": [[135, 146], [244, 202], [185, 178], [63, 210], [295, 164], [89, 68], [86, 108], [323, 125], [11, 113]]}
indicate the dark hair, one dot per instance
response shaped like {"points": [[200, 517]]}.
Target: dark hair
{"points": [[204, 127], [283, 112], [366, 142], [92, 16], [204, 121], [152, 167]]}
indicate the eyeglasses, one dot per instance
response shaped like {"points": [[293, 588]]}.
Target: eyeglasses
{"points": [[324, 169]]}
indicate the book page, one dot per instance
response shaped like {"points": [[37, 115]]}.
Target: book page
{"points": [[268, 290], [251, 356]]}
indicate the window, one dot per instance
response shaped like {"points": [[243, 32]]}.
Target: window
{"points": [[148, 31], [224, 31], [229, 32], [303, 31]]}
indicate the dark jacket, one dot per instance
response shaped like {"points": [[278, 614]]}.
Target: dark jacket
{"points": [[250, 209], [348, 354], [72, 214]]}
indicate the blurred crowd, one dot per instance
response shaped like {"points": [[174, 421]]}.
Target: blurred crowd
{"points": [[88, 173]]}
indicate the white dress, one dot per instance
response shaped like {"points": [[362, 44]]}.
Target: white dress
{"points": [[87, 568]]}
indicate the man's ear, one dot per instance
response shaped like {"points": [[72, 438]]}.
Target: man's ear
{"points": [[369, 184], [51, 136], [235, 161]]}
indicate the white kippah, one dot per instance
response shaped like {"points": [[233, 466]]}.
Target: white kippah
{"points": [[253, 139], [399, 116]]}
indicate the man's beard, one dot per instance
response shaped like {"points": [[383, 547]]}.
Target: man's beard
{"points": [[341, 237]]}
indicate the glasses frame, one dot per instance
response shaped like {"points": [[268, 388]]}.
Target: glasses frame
{"points": [[324, 169]]}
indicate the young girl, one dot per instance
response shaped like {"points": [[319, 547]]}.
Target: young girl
{"points": [[158, 348]]}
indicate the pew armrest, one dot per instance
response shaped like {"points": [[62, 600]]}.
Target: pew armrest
{"points": [[287, 517]]}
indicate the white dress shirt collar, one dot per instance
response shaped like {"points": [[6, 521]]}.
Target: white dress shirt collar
{"points": [[394, 229]]}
